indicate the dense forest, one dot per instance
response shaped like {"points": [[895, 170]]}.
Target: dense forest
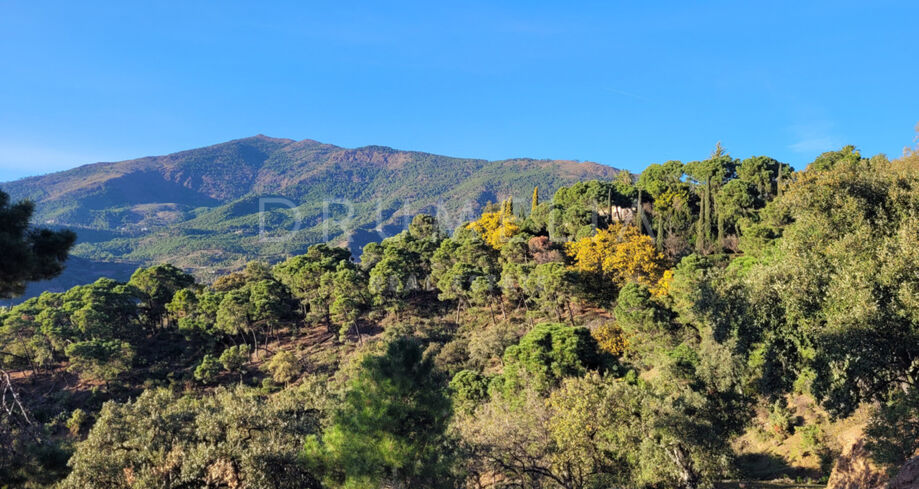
{"points": [[698, 323]]}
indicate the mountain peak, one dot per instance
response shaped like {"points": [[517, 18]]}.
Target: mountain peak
{"points": [[199, 208]]}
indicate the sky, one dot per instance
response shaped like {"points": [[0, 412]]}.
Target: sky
{"points": [[621, 83]]}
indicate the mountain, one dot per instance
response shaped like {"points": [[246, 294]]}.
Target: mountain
{"points": [[199, 209]]}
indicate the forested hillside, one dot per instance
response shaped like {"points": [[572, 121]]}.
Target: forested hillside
{"points": [[704, 323], [199, 209]]}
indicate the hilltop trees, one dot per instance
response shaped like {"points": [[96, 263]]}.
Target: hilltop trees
{"points": [[156, 285], [94, 326]]}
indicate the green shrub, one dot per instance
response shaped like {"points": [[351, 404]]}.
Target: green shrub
{"points": [[76, 421], [234, 358], [284, 367], [208, 370]]}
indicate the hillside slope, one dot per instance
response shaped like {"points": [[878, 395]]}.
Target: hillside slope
{"points": [[200, 208]]}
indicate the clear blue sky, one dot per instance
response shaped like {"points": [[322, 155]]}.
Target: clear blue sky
{"points": [[620, 83]]}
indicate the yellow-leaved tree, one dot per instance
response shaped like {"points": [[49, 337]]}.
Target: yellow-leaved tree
{"points": [[497, 227], [611, 338], [620, 253]]}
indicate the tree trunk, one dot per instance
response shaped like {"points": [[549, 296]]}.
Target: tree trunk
{"points": [[708, 209], [638, 212], [689, 478], [360, 338]]}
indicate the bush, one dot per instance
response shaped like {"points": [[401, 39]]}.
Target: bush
{"points": [[893, 430], [781, 419], [234, 358], [812, 440], [551, 352], [208, 370], [611, 338], [468, 388], [284, 367], [76, 421]]}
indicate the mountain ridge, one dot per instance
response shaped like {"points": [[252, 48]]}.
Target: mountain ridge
{"points": [[200, 208]]}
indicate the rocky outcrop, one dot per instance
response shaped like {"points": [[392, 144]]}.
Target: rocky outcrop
{"points": [[908, 477]]}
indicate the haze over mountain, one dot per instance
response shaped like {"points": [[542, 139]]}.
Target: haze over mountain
{"points": [[199, 209]]}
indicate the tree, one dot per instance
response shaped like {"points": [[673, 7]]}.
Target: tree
{"points": [[764, 174], [657, 179], [893, 430], [393, 279], [610, 338], [484, 292], [390, 427], [29, 253], [736, 201], [156, 286], [234, 358], [551, 286], [349, 290], [207, 371], [270, 303], [195, 312], [233, 313], [468, 389], [497, 227], [303, 277], [100, 359], [708, 176], [550, 352], [850, 322], [620, 254]]}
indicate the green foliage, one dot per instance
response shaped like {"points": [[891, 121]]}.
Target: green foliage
{"points": [[100, 359], [813, 439], [234, 358], [551, 286], [284, 367], [207, 371], [893, 430], [76, 421], [822, 302], [156, 286], [390, 426], [781, 419], [231, 438], [29, 253], [849, 321], [549, 353], [468, 389]]}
